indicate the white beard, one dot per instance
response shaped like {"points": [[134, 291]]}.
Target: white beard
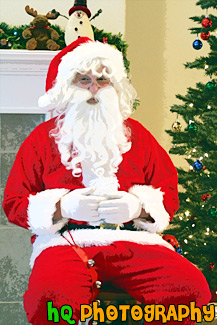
{"points": [[92, 138]]}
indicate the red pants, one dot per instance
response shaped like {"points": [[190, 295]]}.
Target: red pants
{"points": [[151, 274]]}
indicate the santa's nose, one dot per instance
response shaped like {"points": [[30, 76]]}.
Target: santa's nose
{"points": [[94, 87]]}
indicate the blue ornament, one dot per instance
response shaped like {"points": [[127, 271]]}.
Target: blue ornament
{"points": [[15, 33], [197, 44], [197, 165], [179, 251]]}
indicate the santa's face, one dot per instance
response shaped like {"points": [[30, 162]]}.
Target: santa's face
{"points": [[91, 82]]}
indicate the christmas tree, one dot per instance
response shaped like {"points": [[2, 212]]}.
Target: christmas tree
{"points": [[195, 224]]}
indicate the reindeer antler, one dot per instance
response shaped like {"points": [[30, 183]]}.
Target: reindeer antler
{"points": [[31, 11], [53, 14]]}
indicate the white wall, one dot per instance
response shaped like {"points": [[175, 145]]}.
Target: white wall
{"points": [[112, 19]]}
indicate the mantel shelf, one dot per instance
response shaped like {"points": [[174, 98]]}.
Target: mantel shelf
{"points": [[24, 62]]}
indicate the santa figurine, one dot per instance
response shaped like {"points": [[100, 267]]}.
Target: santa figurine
{"points": [[78, 24]]}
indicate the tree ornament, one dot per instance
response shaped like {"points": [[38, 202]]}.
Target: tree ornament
{"points": [[4, 42], [206, 22], [192, 217], [213, 295], [176, 126], [211, 84], [197, 165], [192, 127], [211, 266], [197, 44], [212, 212], [171, 240], [205, 36], [204, 197], [179, 251]]}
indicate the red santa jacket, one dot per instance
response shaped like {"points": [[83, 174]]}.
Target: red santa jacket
{"points": [[38, 180]]}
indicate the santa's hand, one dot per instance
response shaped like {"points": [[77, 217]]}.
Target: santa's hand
{"points": [[81, 205], [120, 208]]}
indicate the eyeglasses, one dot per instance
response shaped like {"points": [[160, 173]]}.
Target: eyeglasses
{"points": [[86, 81]]}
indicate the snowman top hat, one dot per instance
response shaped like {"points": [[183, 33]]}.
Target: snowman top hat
{"points": [[80, 5]]}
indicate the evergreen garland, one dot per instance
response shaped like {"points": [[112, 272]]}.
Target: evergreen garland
{"points": [[11, 38]]}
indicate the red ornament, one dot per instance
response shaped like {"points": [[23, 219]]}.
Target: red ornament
{"points": [[204, 197], [205, 36], [213, 295], [204, 167], [192, 217], [211, 266], [206, 22], [171, 240]]}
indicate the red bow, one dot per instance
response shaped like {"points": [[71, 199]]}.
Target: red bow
{"points": [[38, 27]]}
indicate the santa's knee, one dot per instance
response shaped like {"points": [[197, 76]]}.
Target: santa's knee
{"points": [[37, 297], [45, 305], [192, 284], [199, 288]]}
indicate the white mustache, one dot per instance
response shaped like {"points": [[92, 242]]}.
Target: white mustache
{"points": [[83, 95]]}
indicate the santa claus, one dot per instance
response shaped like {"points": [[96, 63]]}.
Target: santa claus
{"points": [[96, 188]]}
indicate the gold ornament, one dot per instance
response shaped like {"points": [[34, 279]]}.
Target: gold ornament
{"points": [[176, 126]]}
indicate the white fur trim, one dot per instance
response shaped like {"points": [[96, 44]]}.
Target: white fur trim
{"points": [[41, 209], [152, 202], [90, 50], [96, 237]]}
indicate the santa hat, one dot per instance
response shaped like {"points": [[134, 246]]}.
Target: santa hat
{"points": [[83, 49], [80, 5]]}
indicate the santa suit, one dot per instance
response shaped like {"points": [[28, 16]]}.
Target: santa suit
{"points": [[140, 262]]}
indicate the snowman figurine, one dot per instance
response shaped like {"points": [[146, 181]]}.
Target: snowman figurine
{"points": [[78, 24]]}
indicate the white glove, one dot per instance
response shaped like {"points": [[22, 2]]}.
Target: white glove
{"points": [[119, 208], [80, 205]]}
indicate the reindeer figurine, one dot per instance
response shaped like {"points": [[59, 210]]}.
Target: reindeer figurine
{"points": [[42, 37]]}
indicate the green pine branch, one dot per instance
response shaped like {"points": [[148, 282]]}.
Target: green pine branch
{"points": [[207, 4]]}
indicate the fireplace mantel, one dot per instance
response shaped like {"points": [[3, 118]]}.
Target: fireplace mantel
{"points": [[22, 80], [24, 62]]}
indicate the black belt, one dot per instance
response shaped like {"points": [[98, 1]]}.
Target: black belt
{"points": [[72, 226]]}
